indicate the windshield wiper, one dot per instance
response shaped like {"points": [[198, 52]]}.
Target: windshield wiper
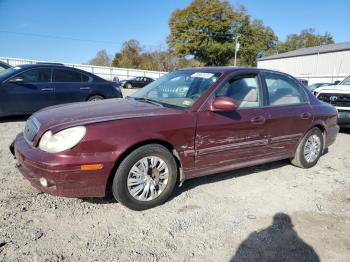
{"points": [[147, 100]]}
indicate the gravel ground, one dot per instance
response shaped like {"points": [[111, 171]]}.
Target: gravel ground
{"points": [[263, 213]]}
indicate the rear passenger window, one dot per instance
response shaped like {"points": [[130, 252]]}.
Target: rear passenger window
{"points": [[63, 75], [84, 78], [283, 90], [245, 91]]}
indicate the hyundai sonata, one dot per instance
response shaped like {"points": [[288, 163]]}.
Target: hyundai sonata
{"points": [[187, 124]]}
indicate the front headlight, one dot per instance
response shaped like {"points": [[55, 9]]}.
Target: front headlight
{"points": [[63, 140]]}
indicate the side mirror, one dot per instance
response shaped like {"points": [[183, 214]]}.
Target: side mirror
{"points": [[336, 82], [16, 80], [223, 104]]}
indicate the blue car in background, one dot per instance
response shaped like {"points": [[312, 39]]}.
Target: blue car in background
{"points": [[25, 89]]}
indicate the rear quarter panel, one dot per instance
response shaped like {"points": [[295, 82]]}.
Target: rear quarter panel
{"points": [[105, 89], [325, 116]]}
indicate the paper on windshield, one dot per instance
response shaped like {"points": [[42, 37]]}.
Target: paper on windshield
{"points": [[202, 75]]}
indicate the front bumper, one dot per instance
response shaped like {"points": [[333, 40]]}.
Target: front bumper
{"points": [[343, 117], [62, 171]]}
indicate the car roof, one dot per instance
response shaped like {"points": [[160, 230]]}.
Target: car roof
{"points": [[54, 65], [216, 69], [41, 65], [57, 65], [228, 69]]}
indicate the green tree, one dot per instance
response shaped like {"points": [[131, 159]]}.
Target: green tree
{"points": [[206, 28], [164, 60], [116, 59], [158, 59], [101, 59], [129, 56], [256, 40], [306, 38]]}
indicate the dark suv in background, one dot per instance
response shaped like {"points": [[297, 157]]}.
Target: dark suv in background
{"points": [[25, 89]]}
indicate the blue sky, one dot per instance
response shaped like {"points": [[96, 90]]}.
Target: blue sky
{"points": [[107, 24]]}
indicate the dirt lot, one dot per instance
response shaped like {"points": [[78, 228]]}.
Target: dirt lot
{"points": [[270, 212]]}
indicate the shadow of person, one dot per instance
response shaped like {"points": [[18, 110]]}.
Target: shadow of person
{"points": [[278, 242]]}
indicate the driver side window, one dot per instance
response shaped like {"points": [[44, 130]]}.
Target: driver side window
{"points": [[244, 90], [40, 75]]}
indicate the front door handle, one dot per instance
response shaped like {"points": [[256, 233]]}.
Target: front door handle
{"points": [[47, 89], [85, 88], [259, 120], [305, 115]]}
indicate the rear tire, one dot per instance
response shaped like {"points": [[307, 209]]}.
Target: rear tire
{"points": [[145, 178], [309, 149], [95, 98]]}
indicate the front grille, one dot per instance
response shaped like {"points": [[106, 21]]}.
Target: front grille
{"points": [[342, 100], [31, 129]]}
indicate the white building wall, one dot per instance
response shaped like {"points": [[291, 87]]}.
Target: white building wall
{"points": [[105, 72], [326, 67]]}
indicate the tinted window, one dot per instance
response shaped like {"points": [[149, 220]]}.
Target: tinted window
{"points": [[36, 75], [283, 90], [63, 75], [244, 90], [84, 78]]}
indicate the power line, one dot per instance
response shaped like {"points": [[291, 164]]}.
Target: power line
{"points": [[60, 37]]}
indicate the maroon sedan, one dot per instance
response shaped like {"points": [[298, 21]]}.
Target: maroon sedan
{"points": [[189, 123]]}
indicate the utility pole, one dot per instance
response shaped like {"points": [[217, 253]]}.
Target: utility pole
{"points": [[236, 48]]}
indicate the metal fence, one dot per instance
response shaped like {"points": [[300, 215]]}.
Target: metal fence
{"points": [[105, 72]]}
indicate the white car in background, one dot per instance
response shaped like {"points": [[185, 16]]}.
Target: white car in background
{"points": [[338, 96]]}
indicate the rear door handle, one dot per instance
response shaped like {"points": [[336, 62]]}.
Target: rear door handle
{"points": [[305, 115], [47, 89], [259, 120], [85, 88]]}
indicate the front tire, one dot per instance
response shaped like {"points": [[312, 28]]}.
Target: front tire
{"points": [[145, 178], [95, 98], [309, 149], [129, 86]]}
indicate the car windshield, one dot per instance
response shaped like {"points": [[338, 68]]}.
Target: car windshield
{"points": [[346, 81], [178, 89]]}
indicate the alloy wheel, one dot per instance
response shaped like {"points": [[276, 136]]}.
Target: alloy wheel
{"points": [[312, 148], [148, 178]]}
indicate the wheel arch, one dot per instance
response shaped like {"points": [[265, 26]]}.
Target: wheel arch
{"points": [[323, 127], [320, 125], [95, 94], [125, 153]]}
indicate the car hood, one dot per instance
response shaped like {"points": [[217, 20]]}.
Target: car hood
{"points": [[333, 89], [74, 114]]}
